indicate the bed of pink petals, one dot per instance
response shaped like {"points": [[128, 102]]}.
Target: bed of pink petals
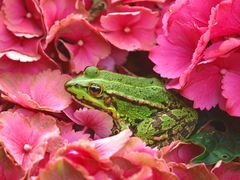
{"points": [[43, 43]]}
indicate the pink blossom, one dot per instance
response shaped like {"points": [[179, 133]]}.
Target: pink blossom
{"points": [[43, 91], [23, 18], [103, 159], [84, 44], [130, 28], [26, 142]]}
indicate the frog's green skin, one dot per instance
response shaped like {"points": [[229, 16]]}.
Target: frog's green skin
{"points": [[143, 104]]}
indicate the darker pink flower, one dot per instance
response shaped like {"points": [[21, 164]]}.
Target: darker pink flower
{"points": [[23, 18], [130, 28], [79, 42], [43, 91], [26, 142], [214, 82], [174, 52]]}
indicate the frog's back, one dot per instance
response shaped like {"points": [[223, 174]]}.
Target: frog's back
{"points": [[150, 91]]}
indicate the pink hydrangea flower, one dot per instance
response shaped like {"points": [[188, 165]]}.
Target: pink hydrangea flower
{"points": [[42, 91], [130, 28], [26, 142], [102, 160], [84, 46], [23, 18], [17, 48]]}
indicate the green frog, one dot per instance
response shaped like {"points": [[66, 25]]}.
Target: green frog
{"points": [[156, 115]]}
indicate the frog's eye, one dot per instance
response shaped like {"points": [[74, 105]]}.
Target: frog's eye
{"points": [[95, 90]]}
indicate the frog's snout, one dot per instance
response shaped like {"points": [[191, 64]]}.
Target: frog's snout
{"points": [[69, 84]]}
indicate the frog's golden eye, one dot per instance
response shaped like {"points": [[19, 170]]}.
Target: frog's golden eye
{"points": [[95, 90]]}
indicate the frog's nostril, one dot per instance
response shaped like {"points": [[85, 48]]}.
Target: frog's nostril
{"points": [[77, 85]]}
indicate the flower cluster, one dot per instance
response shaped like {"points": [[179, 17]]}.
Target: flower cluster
{"points": [[199, 49], [45, 135]]}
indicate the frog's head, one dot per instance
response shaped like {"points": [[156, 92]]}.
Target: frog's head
{"points": [[88, 89]]}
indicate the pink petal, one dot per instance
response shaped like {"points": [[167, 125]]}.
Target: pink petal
{"points": [[17, 48], [225, 24], [8, 170], [221, 48], [227, 170], [106, 148], [203, 86], [182, 153], [8, 65], [43, 91], [117, 57], [100, 122], [189, 172], [174, 52], [68, 134], [231, 90], [55, 10], [23, 17], [63, 168], [123, 41], [117, 21], [31, 132]]}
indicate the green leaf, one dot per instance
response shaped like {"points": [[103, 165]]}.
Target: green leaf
{"points": [[217, 146]]}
